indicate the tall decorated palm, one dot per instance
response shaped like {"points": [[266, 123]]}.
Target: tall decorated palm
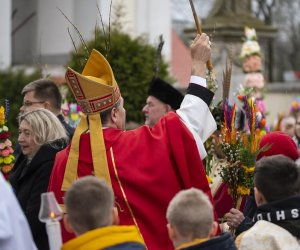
{"points": [[6, 151]]}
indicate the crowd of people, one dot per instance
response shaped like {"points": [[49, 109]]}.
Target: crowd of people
{"points": [[144, 188]]}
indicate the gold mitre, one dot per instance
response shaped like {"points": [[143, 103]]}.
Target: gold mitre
{"points": [[95, 91]]}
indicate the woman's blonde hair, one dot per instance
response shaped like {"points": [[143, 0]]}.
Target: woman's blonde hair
{"points": [[45, 126]]}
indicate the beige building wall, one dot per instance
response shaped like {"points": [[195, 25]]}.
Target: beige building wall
{"points": [[44, 38], [279, 102]]}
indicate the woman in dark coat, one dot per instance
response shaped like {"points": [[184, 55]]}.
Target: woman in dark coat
{"points": [[41, 136]]}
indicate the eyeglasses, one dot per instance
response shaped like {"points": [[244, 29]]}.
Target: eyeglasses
{"points": [[28, 103]]}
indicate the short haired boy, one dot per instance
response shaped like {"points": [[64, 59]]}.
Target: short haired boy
{"points": [[277, 220], [191, 223], [92, 217]]}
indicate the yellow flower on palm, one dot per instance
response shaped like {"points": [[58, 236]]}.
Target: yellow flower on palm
{"points": [[2, 115], [242, 190], [209, 180], [248, 169]]}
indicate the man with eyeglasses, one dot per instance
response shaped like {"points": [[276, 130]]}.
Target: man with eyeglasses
{"points": [[43, 93]]}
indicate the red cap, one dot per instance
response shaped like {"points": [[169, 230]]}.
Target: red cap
{"points": [[281, 144]]}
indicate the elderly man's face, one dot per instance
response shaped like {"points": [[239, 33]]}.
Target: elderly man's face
{"points": [[120, 115], [154, 110]]}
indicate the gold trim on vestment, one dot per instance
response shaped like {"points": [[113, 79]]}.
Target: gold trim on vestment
{"points": [[92, 122], [98, 148], [70, 173]]}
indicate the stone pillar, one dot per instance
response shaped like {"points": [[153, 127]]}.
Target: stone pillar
{"points": [[5, 34]]}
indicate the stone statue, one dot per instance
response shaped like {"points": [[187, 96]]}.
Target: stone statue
{"points": [[227, 7]]}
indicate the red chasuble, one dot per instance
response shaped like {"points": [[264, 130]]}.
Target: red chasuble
{"points": [[147, 168]]}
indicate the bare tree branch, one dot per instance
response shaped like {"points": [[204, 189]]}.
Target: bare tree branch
{"points": [[78, 32], [26, 20], [109, 28], [103, 29]]}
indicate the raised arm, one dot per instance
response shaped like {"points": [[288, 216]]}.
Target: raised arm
{"points": [[194, 110]]}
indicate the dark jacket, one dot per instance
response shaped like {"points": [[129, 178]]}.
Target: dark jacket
{"points": [[29, 182], [224, 242], [284, 213], [269, 211], [68, 128], [127, 246]]}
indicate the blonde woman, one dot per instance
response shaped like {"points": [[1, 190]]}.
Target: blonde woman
{"points": [[41, 136]]}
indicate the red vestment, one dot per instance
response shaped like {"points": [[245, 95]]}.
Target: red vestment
{"points": [[147, 166]]}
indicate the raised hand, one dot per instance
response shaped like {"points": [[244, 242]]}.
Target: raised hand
{"points": [[200, 52]]}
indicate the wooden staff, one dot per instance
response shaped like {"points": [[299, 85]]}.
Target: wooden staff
{"points": [[199, 30]]}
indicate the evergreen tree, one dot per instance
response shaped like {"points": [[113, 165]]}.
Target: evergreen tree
{"points": [[11, 85]]}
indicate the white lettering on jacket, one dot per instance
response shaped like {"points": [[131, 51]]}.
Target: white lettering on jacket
{"points": [[295, 213], [259, 217], [280, 215]]}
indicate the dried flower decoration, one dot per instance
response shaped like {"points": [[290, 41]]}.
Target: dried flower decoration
{"points": [[250, 46], [218, 114], [6, 151], [295, 107], [241, 150]]}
